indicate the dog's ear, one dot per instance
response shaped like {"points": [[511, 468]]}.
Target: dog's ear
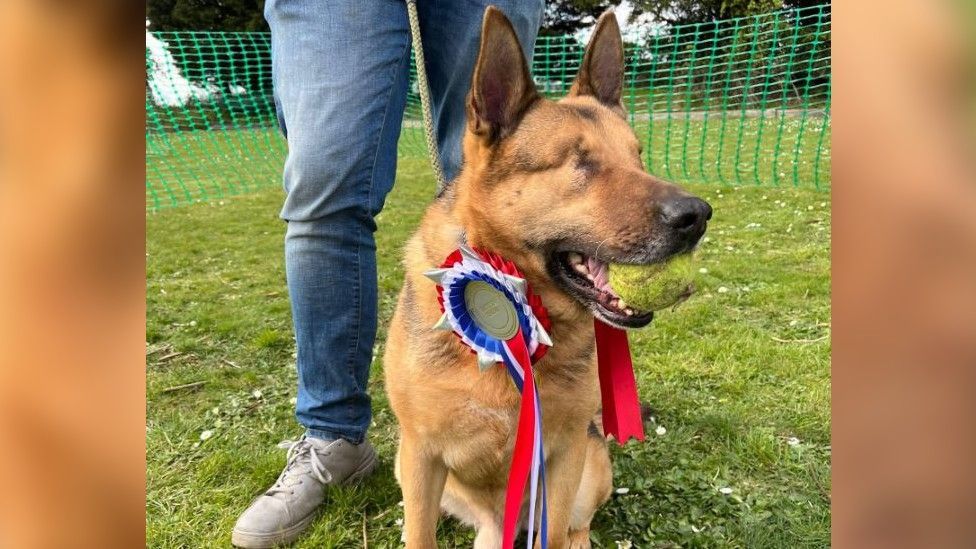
{"points": [[601, 74], [502, 87]]}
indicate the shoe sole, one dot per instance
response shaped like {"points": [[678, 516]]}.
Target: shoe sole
{"points": [[249, 540]]}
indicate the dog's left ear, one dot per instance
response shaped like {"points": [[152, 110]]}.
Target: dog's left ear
{"points": [[601, 74]]}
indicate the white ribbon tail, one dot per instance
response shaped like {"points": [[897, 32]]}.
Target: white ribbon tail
{"points": [[536, 467]]}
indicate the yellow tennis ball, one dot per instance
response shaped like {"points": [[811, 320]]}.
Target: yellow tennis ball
{"points": [[654, 287]]}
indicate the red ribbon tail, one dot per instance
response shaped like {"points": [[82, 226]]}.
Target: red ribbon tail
{"points": [[621, 409], [524, 444]]}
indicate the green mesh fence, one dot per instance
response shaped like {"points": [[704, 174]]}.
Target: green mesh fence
{"points": [[737, 102]]}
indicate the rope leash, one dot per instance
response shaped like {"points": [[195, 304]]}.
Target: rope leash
{"points": [[418, 52]]}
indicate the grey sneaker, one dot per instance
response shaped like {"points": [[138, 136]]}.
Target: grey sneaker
{"points": [[282, 513]]}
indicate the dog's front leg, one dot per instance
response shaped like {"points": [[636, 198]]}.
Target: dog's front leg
{"points": [[422, 477], [563, 473]]}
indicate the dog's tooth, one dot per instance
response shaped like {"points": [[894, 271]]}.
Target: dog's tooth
{"points": [[580, 268], [575, 257], [621, 303], [629, 312]]}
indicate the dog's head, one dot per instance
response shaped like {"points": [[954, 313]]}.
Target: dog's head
{"points": [[560, 187]]}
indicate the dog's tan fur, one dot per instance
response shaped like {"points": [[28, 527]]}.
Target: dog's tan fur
{"points": [[527, 180]]}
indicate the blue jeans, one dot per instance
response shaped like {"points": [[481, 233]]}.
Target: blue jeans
{"points": [[340, 70]]}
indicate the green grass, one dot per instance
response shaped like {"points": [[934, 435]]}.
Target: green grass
{"points": [[732, 374]]}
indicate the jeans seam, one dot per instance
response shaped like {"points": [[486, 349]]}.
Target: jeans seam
{"points": [[386, 114], [369, 204]]}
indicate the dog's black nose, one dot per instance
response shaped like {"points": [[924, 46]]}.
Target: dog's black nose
{"points": [[686, 214]]}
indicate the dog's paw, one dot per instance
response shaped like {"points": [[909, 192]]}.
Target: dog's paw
{"points": [[579, 539]]}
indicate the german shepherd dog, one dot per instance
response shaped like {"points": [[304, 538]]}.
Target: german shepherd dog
{"points": [[557, 187]]}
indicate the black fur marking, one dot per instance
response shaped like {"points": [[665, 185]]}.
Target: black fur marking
{"points": [[570, 372], [585, 112], [520, 161]]}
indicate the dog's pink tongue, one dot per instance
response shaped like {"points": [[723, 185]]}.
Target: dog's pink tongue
{"points": [[600, 274]]}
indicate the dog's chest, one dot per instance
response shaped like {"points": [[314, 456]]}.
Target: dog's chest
{"points": [[479, 442], [483, 437]]}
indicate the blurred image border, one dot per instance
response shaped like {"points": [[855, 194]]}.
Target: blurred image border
{"points": [[72, 275]]}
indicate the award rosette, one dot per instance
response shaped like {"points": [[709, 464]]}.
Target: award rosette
{"points": [[488, 304]]}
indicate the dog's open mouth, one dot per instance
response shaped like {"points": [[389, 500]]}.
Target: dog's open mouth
{"points": [[588, 280]]}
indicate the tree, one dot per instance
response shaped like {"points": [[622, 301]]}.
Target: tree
{"points": [[220, 15], [564, 17], [680, 12]]}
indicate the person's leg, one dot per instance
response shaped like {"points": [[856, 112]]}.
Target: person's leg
{"points": [[340, 75], [451, 32]]}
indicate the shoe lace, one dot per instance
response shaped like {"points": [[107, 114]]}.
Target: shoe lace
{"points": [[303, 458]]}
